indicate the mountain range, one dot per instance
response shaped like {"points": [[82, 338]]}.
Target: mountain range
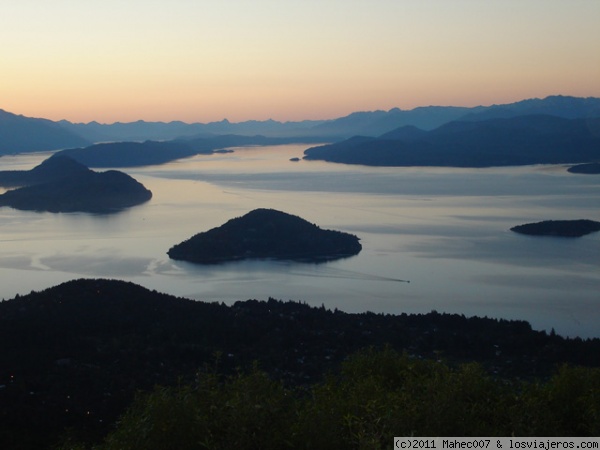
{"points": [[517, 140], [25, 134]]}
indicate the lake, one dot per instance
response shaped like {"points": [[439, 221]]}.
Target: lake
{"points": [[446, 231]]}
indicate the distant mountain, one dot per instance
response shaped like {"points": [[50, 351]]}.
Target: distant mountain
{"points": [[378, 122], [142, 131], [556, 105], [60, 184], [367, 123], [266, 233], [132, 131], [22, 134], [371, 123], [25, 134], [495, 142]]}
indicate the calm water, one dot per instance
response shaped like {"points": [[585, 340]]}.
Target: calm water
{"points": [[444, 230]]}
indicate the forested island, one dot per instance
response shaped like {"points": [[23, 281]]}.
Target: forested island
{"points": [[266, 233], [560, 228], [60, 184], [73, 356]]}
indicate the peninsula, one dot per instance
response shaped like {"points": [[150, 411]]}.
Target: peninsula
{"points": [[561, 228], [587, 169], [266, 233], [60, 184], [514, 141]]}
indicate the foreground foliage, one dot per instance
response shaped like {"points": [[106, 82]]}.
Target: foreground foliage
{"points": [[378, 394], [73, 356]]}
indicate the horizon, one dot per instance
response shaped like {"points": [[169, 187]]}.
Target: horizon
{"points": [[225, 119], [201, 62]]}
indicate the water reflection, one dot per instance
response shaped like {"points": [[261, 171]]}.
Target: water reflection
{"points": [[444, 230]]}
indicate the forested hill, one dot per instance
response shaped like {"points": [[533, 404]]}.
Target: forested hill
{"points": [[522, 140], [60, 184], [266, 233], [75, 354]]}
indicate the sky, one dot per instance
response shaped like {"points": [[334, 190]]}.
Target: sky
{"points": [[287, 60]]}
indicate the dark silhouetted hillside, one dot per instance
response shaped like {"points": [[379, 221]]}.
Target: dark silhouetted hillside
{"points": [[130, 154], [560, 228], [74, 355], [495, 142], [266, 233], [51, 169], [61, 184]]}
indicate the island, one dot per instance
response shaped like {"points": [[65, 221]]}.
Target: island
{"points": [[587, 169], [60, 184], [266, 234], [561, 228]]}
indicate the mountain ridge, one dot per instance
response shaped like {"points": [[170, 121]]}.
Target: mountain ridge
{"points": [[520, 140], [368, 123]]}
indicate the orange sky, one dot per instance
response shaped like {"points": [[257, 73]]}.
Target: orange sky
{"points": [[207, 60]]}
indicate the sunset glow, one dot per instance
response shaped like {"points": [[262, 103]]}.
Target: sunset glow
{"points": [[202, 61]]}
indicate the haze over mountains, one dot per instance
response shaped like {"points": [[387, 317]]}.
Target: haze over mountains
{"points": [[23, 134]]}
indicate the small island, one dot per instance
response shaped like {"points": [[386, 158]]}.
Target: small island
{"points": [[560, 228], [61, 184], [266, 234]]}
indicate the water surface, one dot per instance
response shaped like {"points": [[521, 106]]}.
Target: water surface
{"points": [[444, 230]]}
